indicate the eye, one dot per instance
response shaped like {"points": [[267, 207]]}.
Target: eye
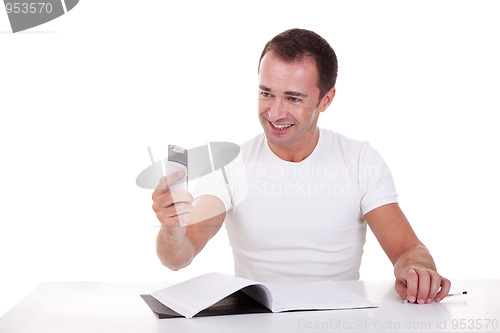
{"points": [[265, 94], [294, 99]]}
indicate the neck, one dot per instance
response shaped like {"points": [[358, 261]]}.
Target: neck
{"points": [[298, 151]]}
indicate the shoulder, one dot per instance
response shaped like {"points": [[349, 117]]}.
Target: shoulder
{"points": [[253, 143], [253, 147], [352, 150], [337, 141], [249, 150]]}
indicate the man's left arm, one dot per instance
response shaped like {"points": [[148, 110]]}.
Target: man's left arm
{"points": [[416, 277]]}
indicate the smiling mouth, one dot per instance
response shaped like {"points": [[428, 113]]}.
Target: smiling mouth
{"points": [[281, 127]]}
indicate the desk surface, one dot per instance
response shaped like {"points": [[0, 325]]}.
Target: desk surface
{"points": [[117, 307]]}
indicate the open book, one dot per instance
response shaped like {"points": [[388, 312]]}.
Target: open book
{"points": [[228, 294]]}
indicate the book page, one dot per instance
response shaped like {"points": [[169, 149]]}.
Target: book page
{"points": [[320, 295], [194, 295]]}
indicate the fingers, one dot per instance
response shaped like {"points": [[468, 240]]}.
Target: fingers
{"points": [[422, 286], [445, 289], [166, 182], [436, 281], [410, 281], [424, 282], [167, 199], [172, 208], [175, 220], [174, 215]]}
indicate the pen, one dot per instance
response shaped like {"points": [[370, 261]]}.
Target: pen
{"points": [[449, 295], [457, 294]]}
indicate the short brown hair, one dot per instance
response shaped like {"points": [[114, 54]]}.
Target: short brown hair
{"points": [[295, 44]]}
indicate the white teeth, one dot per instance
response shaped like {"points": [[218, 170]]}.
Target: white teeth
{"points": [[281, 127]]}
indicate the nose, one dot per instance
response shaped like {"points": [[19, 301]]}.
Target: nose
{"points": [[277, 110]]}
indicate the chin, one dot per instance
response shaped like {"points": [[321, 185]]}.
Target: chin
{"points": [[277, 141]]}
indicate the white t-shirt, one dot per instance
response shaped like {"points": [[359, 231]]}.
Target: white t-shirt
{"points": [[300, 221]]}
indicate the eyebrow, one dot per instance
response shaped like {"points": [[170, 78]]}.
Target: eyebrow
{"points": [[289, 93], [295, 93]]}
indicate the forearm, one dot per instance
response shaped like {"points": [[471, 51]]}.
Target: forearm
{"points": [[415, 256], [175, 250], [414, 268], [176, 246]]}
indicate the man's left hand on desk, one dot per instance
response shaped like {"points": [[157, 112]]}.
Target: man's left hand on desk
{"points": [[421, 285]]}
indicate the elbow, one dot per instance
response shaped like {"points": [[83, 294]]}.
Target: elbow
{"points": [[174, 264], [174, 257], [168, 264]]}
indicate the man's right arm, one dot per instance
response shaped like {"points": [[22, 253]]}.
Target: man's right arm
{"points": [[187, 224]]}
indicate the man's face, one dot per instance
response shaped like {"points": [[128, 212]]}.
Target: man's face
{"points": [[288, 102]]}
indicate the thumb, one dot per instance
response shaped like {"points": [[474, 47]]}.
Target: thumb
{"points": [[167, 181], [401, 289], [174, 177]]}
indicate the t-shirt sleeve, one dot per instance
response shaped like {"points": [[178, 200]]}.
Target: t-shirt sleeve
{"points": [[213, 184], [376, 182]]}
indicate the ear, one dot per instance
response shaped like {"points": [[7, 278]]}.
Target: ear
{"points": [[326, 100]]}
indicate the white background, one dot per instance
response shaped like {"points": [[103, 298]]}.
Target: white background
{"points": [[83, 96]]}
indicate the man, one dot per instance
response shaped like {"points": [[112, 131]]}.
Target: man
{"points": [[298, 198]]}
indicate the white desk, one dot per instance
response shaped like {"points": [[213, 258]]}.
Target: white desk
{"points": [[94, 307]]}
